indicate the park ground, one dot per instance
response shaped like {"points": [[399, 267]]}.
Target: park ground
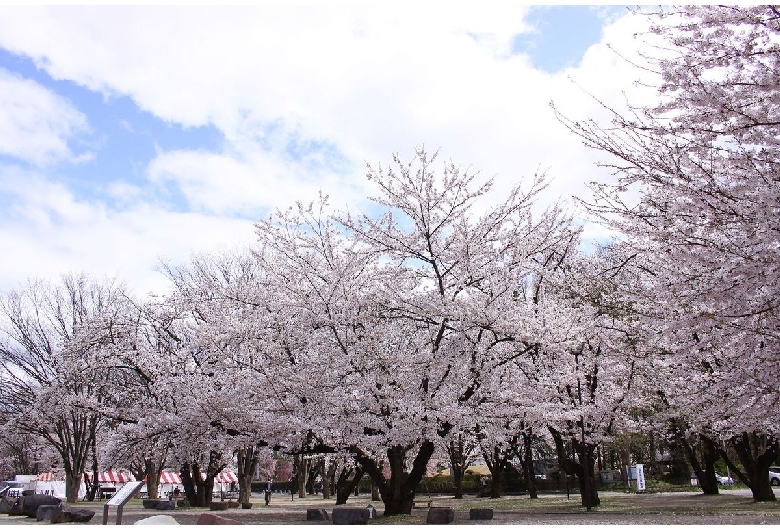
{"points": [[678, 508]]}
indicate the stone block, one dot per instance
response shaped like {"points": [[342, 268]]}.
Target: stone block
{"points": [[246, 505], [218, 506], [166, 505], [48, 512], [5, 504], [349, 515], [157, 520], [76, 515], [151, 504], [62, 513], [317, 514], [17, 507], [210, 518], [440, 516], [481, 514], [30, 503], [233, 504], [182, 503]]}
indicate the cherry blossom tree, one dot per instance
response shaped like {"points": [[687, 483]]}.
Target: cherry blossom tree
{"points": [[588, 377], [252, 357], [376, 310], [54, 337], [703, 164], [23, 453], [461, 270], [460, 446]]}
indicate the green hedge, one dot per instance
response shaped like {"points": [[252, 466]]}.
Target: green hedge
{"points": [[259, 486], [444, 484], [438, 485]]}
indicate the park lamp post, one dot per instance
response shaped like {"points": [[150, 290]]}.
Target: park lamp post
{"points": [[583, 452]]}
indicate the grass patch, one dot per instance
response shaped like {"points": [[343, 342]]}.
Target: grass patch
{"points": [[399, 519]]}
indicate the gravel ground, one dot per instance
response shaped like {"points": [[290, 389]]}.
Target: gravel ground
{"points": [[731, 508]]}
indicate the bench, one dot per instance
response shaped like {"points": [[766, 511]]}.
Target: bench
{"points": [[418, 502], [107, 493]]}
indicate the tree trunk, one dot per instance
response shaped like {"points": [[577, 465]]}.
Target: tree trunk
{"points": [[709, 455], [212, 470], [397, 493], [302, 468], [625, 461], [247, 467], [458, 463], [72, 486], [313, 474], [327, 472], [588, 483], [527, 462], [496, 485], [346, 482], [74, 436], [152, 473], [704, 467], [756, 452], [497, 463], [457, 479], [198, 490], [574, 467], [94, 484], [188, 484], [654, 467]]}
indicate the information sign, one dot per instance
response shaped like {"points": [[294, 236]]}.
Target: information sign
{"points": [[640, 477], [120, 499]]}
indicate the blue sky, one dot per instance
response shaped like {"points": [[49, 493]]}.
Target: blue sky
{"points": [[138, 134], [562, 34]]}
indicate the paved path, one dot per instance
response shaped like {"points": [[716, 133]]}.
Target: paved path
{"points": [[733, 507]]}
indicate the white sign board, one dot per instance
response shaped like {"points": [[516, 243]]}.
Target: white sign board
{"points": [[124, 494], [640, 477]]}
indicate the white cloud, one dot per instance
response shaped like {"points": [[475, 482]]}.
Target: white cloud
{"points": [[48, 231], [247, 186], [363, 81], [36, 124]]}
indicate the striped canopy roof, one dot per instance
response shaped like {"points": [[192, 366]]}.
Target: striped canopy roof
{"points": [[116, 476], [226, 477], [122, 476], [172, 477], [49, 476], [112, 475]]}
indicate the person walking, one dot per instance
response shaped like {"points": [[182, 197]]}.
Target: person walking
{"points": [[268, 493]]}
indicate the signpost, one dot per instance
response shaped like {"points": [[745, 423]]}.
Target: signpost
{"points": [[640, 478], [120, 499]]}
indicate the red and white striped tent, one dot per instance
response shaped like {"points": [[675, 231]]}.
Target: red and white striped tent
{"points": [[53, 483], [115, 476], [226, 477], [49, 476], [170, 477]]}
